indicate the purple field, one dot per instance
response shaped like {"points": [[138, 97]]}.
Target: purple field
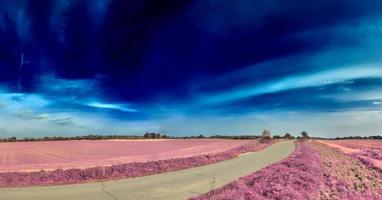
{"points": [[135, 169], [368, 151], [315, 170], [52, 155]]}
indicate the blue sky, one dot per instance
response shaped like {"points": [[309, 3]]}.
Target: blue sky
{"points": [[190, 67]]}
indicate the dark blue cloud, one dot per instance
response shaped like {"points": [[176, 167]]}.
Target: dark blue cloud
{"points": [[148, 61]]}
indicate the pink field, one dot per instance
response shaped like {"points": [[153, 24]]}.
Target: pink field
{"points": [[345, 177], [369, 151], [34, 156], [192, 153]]}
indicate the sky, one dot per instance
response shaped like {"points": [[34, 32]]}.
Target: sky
{"points": [[190, 67]]}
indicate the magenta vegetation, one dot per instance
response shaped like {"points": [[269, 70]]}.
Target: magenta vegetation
{"points": [[347, 178], [369, 148], [135, 169], [297, 177], [313, 171], [368, 152]]}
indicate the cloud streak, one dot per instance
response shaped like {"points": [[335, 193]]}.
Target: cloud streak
{"points": [[120, 107], [321, 78]]}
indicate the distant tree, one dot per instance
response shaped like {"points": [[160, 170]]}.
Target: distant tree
{"points": [[146, 135], [288, 136], [276, 137], [304, 135], [157, 136], [153, 135], [266, 136], [201, 136]]}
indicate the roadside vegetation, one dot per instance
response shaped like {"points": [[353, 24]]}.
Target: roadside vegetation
{"points": [[312, 171], [296, 177]]}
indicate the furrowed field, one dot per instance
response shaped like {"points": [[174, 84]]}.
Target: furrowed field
{"points": [[368, 151], [317, 169], [51, 155], [68, 162]]}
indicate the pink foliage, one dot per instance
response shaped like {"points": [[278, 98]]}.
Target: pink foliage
{"points": [[369, 152], [369, 148], [346, 177], [374, 153], [70, 176], [296, 177]]}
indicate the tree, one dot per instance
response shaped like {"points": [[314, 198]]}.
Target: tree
{"points": [[153, 135], [201, 136], [147, 135], [288, 136], [304, 135], [266, 136], [276, 137]]}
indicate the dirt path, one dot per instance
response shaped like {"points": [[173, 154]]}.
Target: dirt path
{"points": [[181, 184]]}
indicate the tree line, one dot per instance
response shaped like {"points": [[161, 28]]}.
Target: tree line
{"points": [[266, 135]]}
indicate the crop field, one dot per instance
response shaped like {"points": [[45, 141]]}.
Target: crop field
{"points": [[50, 163], [36, 156], [368, 151], [317, 169]]}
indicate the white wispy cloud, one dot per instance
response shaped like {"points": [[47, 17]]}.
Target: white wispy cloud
{"points": [[27, 115], [120, 107], [336, 75], [68, 89]]}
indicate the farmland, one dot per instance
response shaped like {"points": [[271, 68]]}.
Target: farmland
{"points": [[368, 151], [316, 169], [180, 184], [136, 158], [36, 156]]}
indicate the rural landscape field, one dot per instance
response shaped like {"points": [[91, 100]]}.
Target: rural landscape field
{"points": [[314, 169], [51, 155], [190, 100]]}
